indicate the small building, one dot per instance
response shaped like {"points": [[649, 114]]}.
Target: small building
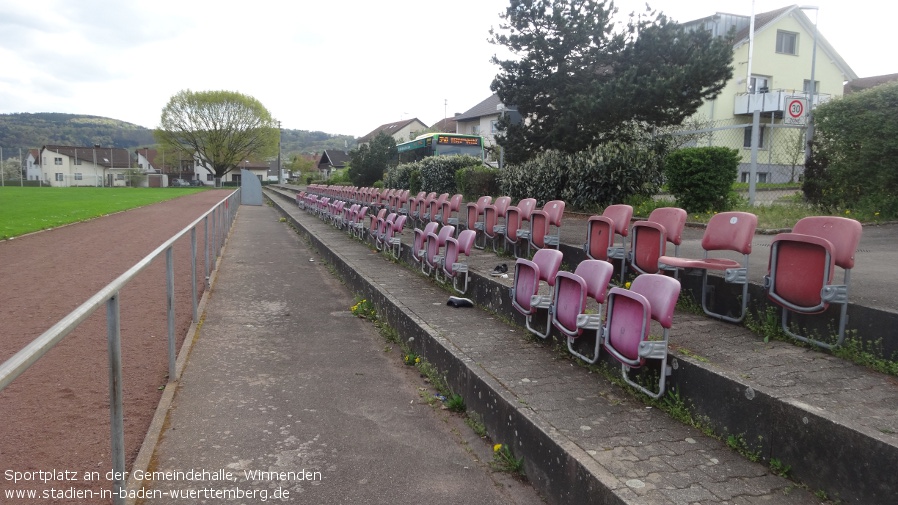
{"points": [[65, 166], [483, 119], [401, 131], [332, 160]]}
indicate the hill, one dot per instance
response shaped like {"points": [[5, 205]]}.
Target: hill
{"points": [[33, 130]]}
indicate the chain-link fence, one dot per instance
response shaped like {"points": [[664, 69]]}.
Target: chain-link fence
{"points": [[13, 162], [773, 154]]}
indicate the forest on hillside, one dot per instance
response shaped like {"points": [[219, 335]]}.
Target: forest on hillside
{"points": [[32, 130]]}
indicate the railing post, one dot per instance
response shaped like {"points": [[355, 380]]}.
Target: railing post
{"points": [[206, 246], [193, 271], [170, 295], [116, 412]]}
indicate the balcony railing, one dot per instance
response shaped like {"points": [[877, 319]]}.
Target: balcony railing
{"points": [[773, 100]]}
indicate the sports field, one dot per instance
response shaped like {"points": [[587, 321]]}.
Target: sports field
{"points": [[26, 210]]}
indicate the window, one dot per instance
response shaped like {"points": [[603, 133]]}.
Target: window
{"points": [[59, 176], [77, 161], [235, 177], [57, 161], [807, 86], [746, 141], [494, 126], [786, 42], [759, 177], [210, 177], [475, 130], [77, 176], [120, 177], [759, 84]]}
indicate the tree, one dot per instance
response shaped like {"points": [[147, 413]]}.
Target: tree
{"points": [[220, 128], [574, 77], [854, 162], [368, 163]]}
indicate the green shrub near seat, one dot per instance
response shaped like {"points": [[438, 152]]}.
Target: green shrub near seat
{"points": [[701, 178]]}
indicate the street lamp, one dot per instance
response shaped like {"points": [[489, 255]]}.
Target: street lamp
{"points": [[812, 87]]}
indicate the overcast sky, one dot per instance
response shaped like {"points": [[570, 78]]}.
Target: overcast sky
{"points": [[339, 66]]}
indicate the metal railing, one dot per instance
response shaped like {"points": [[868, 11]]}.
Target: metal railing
{"points": [[216, 222]]}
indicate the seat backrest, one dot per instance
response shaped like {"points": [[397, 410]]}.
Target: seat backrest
{"points": [[661, 292], [526, 207], [554, 210], [647, 245], [673, 219], [569, 302], [466, 241], [596, 274], [599, 237], [399, 223], [501, 205], [421, 235], [620, 214], [445, 233], [512, 222], [730, 231], [842, 232], [539, 228], [437, 205], [548, 261], [526, 284], [455, 202]]}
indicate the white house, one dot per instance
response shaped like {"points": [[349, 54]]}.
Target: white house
{"points": [[483, 119], [65, 166]]}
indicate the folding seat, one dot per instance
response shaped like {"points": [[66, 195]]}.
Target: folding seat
{"points": [[412, 205], [380, 232], [628, 325], [648, 239], [801, 272], [348, 216], [545, 226], [494, 219], [726, 231], [517, 223], [420, 238], [572, 291], [448, 213], [300, 197], [602, 232], [433, 244], [336, 212], [402, 201], [453, 267], [323, 206], [525, 297], [423, 207], [374, 221], [474, 217], [433, 207], [392, 238], [357, 226]]}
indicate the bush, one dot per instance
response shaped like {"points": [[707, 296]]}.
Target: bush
{"points": [[399, 177], [438, 172], [619, 168], [701, 178], [474, 182], [854, 161]]}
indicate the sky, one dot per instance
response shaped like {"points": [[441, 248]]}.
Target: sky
{"points": [[338, 66]]}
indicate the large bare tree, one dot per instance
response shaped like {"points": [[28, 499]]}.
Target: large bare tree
{"points": [[220, 128]]}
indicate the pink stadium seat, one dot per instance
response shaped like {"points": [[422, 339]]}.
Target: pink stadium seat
{"points": [[453, 266], [545, 226], [474, 219], [572, 291], [602, 232], [528, 275], [726, 231], [433, 245], [420, 240], [628, 325], [801, 270], [494, 219], [648, 239]]}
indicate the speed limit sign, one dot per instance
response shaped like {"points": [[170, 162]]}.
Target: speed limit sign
{"points": [[795, 111]]}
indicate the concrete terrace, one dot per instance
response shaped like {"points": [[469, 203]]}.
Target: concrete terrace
{"points": [[587, 440]]}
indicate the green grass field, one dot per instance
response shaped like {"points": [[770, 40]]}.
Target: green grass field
{"points": [[26, 210]]}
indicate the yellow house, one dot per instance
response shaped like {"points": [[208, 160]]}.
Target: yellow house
{"points": [[772, 65]]}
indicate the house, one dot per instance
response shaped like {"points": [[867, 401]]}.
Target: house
{"points": [[775, 80], [483, 119], [445, 125], [65, 166], [331, 160], [401, 131], [868, 82], [33, 165]]}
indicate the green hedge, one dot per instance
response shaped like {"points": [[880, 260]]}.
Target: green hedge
{"points": [[701, 178]]}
